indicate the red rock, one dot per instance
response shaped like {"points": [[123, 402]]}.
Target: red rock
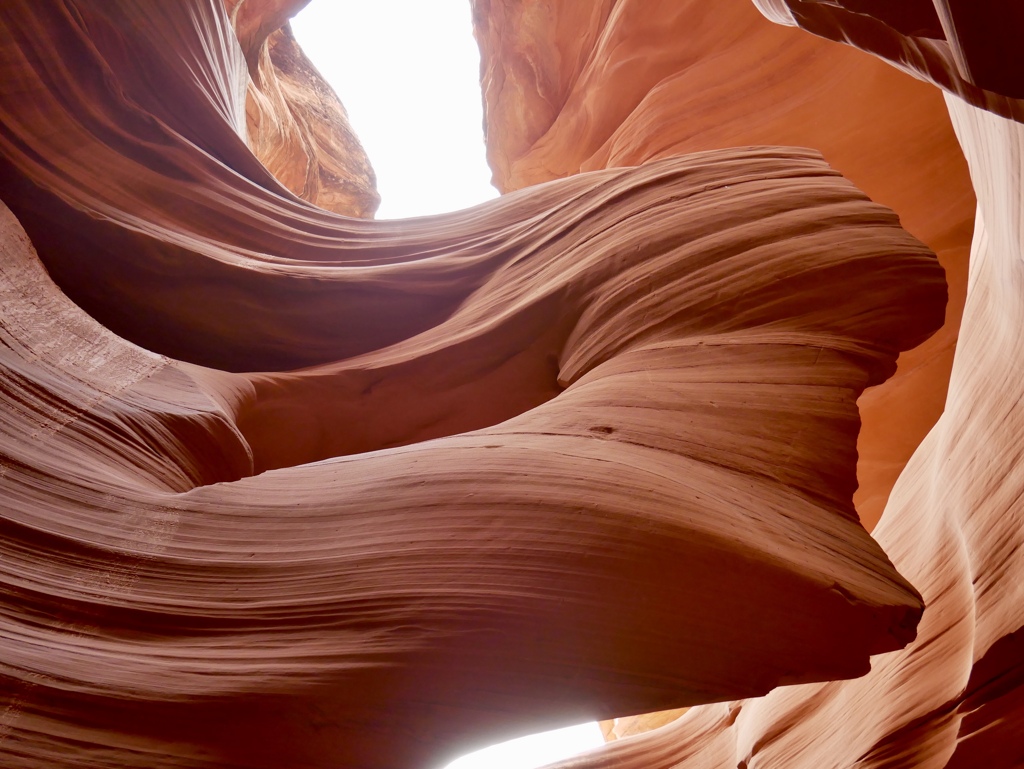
{"points": [[313, 491], [660, 78], [954, 697], [294, 123]]}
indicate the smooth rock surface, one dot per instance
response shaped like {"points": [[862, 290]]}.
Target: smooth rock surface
{"points": [[576, 85], [954, 697], [303, 490]]}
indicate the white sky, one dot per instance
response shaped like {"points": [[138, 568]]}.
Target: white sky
{"points": [[534, 751], [408, 73]]}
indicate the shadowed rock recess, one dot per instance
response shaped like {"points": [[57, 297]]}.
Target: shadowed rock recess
{"points": [[284, 487]]}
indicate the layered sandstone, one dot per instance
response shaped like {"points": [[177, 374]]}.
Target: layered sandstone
{"points": [[312, 491], [953, 698], [294, 122], [574, 86]]}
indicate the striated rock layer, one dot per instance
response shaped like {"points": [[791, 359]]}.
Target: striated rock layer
{"points": [[955, 696], [303, 490], [578, 85]]}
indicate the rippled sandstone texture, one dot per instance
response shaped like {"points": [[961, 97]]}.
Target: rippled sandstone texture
{"points": [[576, 85], [953, 698], [304, 490]]}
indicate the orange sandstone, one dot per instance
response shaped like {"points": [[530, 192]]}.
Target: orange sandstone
{"points": [[284, 487]]}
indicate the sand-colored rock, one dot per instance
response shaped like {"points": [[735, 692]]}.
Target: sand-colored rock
{"points": [[295, 123], [660, 78], [303, 490], [954, 697], [620, 728]]}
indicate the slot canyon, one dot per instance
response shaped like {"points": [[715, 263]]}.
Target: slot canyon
{"points": [[709, 427]]}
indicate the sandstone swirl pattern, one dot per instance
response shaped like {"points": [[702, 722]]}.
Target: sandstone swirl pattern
{"points": [[954, 697], [303, 490], [577, 85]]}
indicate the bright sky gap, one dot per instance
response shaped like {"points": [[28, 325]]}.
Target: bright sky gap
{"points": [[407, 72]]}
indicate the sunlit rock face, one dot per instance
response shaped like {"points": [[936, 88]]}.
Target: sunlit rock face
{"points": [[286, 488], [295, 124], [573, 85], [954, 697]]}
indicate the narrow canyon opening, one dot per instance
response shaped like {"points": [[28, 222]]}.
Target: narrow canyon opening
{"points": [[408, 75]]}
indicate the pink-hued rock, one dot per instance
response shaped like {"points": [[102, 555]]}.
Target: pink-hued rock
{"points": [[955, 696], [304, 490], [661, 78]]}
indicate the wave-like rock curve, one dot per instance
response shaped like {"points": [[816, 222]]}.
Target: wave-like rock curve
{"points": [[564, 454], [953, 697]]}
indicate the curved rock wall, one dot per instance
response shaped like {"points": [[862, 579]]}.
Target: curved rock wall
{"points": [[953, 698], [312, 491], [294, 123], [648, 79]]}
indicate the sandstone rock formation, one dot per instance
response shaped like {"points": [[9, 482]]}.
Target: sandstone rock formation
{"points": [[640, 80], [285, 488], [646, 79], [294, 123], [967, 47], [953, 697]]}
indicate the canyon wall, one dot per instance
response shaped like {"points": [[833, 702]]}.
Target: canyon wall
{"points": [[280, 486], [639, 84], [295, 123], [570, 88]]}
